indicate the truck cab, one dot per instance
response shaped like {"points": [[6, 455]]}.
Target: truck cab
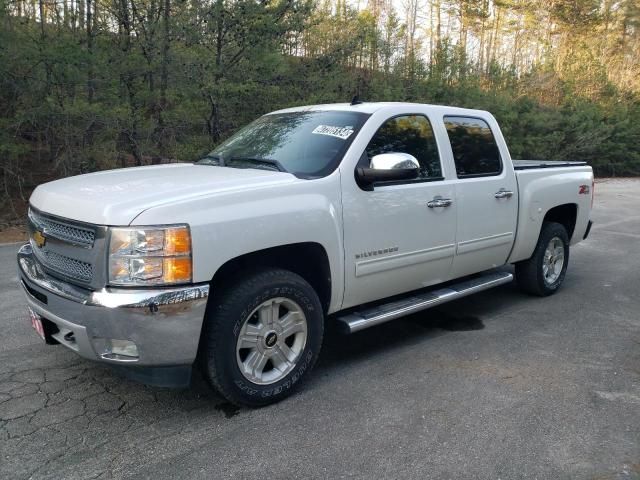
{"points": [[456, 217]]}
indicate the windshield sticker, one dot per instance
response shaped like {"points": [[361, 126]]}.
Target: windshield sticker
{"points": [[338, 132]]}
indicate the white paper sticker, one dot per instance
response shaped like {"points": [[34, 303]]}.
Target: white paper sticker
{"points": [[338, 132]]}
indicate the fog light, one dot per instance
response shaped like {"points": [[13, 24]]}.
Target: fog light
{"points": [[124, 347], [114, 349]]}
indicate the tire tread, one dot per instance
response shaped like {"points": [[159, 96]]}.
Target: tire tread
{"points": [[222, 308], [528, 272]]}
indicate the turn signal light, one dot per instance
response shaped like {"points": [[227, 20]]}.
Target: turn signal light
{"points": [[177, 270], [177, 241]]}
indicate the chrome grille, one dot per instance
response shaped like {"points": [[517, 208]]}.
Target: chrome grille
{"points": [[68, 267], [69, 249], [63, 231]]}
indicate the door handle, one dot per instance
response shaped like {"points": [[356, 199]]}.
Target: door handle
{"points": [[439, 202], [503, 193]]}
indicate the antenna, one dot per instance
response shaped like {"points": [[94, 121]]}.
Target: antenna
{"points": [[355, 100]]}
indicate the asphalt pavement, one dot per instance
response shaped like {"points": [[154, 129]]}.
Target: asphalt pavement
{"points": [[495, 386]]}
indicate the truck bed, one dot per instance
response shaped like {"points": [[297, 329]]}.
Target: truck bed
{"points": [[531, 164], [541, 186]]}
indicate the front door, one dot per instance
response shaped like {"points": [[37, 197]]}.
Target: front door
{"points": [[396, 237]]}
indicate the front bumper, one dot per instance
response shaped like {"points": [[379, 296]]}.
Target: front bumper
{"points": [[164, 323]]}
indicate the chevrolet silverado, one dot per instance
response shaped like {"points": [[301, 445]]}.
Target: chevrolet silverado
{"points": [[353, 213]]}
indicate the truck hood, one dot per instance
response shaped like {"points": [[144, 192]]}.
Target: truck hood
{"points": [[116, 197]]}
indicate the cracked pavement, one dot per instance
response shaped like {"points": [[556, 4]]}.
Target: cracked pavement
{"points": [[498, 385]]}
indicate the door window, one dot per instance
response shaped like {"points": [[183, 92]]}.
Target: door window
{"points": [[410, 134], [474, 147]]}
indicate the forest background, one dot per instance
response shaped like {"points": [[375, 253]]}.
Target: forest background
{"points": [[88, 85]]}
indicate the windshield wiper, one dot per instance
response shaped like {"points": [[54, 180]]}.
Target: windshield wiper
{"points": [[210, 156], [259, 161]]}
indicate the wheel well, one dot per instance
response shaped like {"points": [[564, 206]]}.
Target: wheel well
{"points": [[309, 260], [565, 215]]}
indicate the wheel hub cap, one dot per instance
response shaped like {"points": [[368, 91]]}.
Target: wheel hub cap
{"points": [[553, 261], [271, 341]]}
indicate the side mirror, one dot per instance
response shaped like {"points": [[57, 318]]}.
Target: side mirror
{"points": [[388, 167]]}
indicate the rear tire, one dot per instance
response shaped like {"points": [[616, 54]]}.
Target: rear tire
{"points": [[262, 337], [544, 272]]}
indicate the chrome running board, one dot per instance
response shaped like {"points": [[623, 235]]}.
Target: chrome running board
{"points": [[375, 315]]}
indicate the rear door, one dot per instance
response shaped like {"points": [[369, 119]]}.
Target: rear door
{"points": [[486, 192], [394, 241]]}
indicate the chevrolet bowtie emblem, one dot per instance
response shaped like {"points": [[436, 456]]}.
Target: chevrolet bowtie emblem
{"points": [[39, 238]]}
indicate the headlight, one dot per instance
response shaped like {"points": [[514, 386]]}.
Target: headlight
{"points": [[150, 256]]}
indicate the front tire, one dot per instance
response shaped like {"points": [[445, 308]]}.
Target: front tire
{"points": [[544, 272], [262, 337]]}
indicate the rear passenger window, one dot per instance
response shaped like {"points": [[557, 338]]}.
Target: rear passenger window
{"points": [[475, 151], [410, 134]]}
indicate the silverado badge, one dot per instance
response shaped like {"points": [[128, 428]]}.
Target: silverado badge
{"points": [[374, 253], [39, 238]]}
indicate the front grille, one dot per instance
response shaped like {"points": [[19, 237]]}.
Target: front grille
{"points": [[68, 249], [63, 231], [68, 267]]}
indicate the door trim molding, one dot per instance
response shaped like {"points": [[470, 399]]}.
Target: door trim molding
{"points": [[483, 243], [383, 264]]}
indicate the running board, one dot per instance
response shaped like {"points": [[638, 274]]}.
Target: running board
{"points": [[359, 320]]}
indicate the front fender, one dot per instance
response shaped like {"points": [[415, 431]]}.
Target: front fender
{"points": [[227, 225]]}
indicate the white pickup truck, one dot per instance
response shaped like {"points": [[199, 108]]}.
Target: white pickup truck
{"points": [[357, 213]]}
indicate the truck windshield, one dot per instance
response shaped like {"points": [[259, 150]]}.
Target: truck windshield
{"points": [[309, 144]]}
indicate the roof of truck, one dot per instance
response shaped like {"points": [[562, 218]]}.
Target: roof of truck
{"points": [[372, 107]]}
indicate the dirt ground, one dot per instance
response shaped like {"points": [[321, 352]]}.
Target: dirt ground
{"points": [[13, 234]]}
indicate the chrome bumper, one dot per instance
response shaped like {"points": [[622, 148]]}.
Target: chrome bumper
{"points": [[164, 323]]}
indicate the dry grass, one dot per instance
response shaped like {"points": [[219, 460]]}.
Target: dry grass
{"points": [[13, 234]]}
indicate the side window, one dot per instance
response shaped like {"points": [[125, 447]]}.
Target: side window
{"points": [[474, 147], [410, 134]]}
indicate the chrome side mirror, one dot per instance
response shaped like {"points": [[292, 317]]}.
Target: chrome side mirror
{"points": [[388, 167], [394, 161]]}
